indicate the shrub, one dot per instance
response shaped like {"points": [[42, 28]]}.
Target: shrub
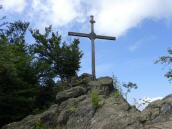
{"points": [[40, 125], [95, 99], [117, 94], [72, 109]]}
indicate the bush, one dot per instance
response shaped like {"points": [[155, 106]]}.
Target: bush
{"points": [[117, 94], [72, 109], [123, 89], [95, 99], [40, 125]]}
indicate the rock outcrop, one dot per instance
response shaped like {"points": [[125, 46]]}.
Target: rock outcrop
{"points": [[158, 114], [79, 108]]}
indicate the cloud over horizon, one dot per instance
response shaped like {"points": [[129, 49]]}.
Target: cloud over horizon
{"points": [[113, 17]]}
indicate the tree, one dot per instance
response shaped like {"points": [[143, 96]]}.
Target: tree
{"points": [[2, 23], [69, 64], [18, 80], [129, 86], [123, 88], [167, 60], [27, 72], [54, 57]]}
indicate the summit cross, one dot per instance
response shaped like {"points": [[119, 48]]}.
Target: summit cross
{"points": [[92, 36]]}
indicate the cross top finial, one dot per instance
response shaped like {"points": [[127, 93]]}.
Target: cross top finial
{"points": [[92, 19]]}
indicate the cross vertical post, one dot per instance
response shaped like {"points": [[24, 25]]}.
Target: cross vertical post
{"points": [[92, 36]]}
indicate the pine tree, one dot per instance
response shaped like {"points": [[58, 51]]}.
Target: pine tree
{"points": [[18, 80]]}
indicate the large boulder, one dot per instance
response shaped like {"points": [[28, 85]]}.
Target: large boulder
{"points": [[85, 77], [116, 113], [104, 85], [70, 93], [46, 119], [159, 110], [81, 80], [75, 110]]}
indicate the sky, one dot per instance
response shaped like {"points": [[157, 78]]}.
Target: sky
{"points": [[143, 29]]}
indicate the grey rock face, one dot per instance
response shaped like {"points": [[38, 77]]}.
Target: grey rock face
{"points": [[159, 111], [48, 118], [74, 110], [70, 93], [104, 85], [116, 114]]}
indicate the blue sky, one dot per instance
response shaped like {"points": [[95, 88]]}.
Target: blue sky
{"points": [[143, 29]]}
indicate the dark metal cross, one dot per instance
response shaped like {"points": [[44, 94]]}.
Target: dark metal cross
{"points": [[92, 36]]}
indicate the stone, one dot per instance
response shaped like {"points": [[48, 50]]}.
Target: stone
{"points": [[159, 110], [166, 108], [106, 81], [103, 84], [70, 93], [74, 110], [48, 118], [86, 76]]}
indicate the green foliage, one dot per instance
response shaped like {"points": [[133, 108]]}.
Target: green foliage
{"points": [[54, 57], [129, 86], [16, 32], [123, 89], [167, 60], [27, 72], [117, 94], [18, 80], [72, 109], [95, 99], [40, 125], [45, 97]]}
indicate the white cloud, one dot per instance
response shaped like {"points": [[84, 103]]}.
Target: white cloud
{"points": [[113, 17], [118, 16], [55, 12], [14, 5]]}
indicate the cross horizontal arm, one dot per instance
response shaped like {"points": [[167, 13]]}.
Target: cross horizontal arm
{"points": [[105, 37], [78, 34]]}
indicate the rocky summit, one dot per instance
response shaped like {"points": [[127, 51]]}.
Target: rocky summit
{"points": [[97, 105]]}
